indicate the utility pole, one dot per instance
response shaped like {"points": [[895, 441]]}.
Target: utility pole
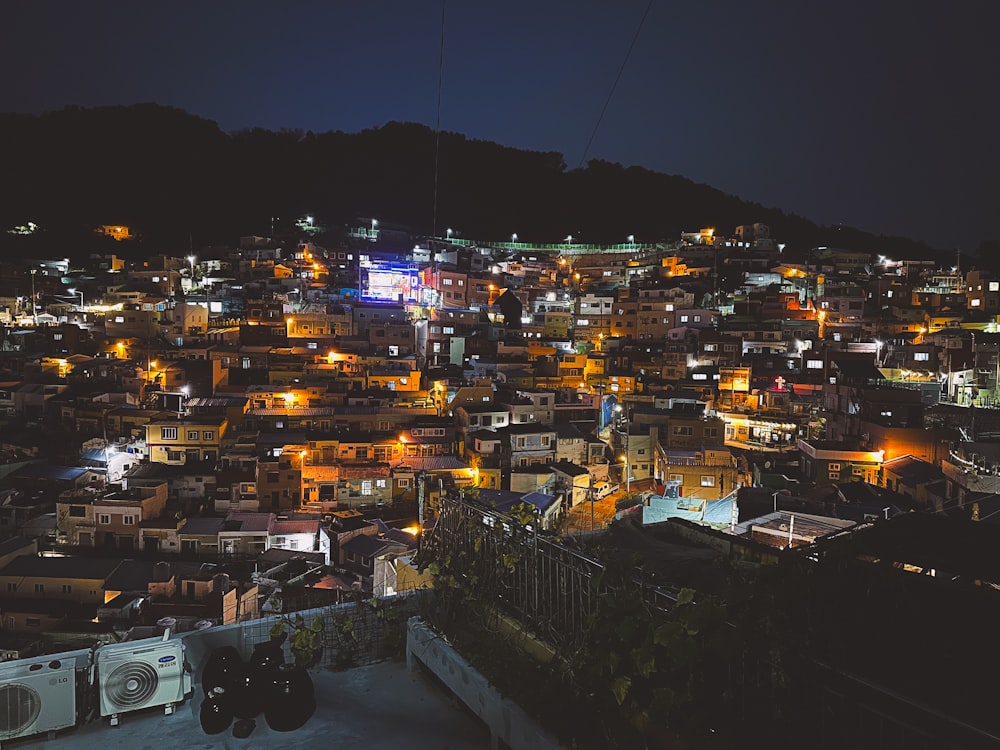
{"points": [[590, 497], [34, 311]]}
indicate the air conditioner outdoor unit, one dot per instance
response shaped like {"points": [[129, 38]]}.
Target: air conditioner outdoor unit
{"points": [[35, 698], [141, 674]]}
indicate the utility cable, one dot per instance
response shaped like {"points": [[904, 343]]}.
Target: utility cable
{"points": [[437, 128], [618, 77]]}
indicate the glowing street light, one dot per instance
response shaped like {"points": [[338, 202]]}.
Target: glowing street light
{"points": [[631, 239], [449, 232], [513, 237], [80, 292]]}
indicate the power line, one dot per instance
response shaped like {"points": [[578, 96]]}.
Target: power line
{"points": [[611, 93], [437, 127]]}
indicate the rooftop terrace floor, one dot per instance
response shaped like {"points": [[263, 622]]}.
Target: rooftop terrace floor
{"points": [[377, 706]]}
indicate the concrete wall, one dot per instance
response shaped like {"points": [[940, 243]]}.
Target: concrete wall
{"points": [[506, 721]]}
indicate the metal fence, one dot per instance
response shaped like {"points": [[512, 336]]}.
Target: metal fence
{"points": [[551, 589]]}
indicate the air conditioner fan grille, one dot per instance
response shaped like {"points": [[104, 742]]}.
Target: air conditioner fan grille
{"points": [[19, 708], [131, 684]]}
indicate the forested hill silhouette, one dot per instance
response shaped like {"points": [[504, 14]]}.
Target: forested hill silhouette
{"points": [[177, 178]]}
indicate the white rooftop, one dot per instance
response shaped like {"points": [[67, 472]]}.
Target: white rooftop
{"points": [[377, 706]]}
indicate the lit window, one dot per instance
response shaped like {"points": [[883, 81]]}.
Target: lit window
{"points": [[684, 318], [699, 376], [995, 286], [707, 480], [975, 302], [814, 364], [921, 356]]}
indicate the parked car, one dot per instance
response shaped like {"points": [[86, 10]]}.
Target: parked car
{"points": [[603, 489]]}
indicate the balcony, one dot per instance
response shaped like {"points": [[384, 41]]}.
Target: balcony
{"points": [[375, 704]]}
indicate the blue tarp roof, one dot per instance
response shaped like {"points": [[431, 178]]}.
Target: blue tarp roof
{"points": [[43, 470], [662, 508]]}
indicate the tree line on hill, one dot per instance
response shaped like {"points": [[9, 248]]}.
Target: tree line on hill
{"points": [[179, 179]]}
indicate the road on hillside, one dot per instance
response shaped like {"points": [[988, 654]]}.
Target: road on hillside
{"points": [[579, 518]]}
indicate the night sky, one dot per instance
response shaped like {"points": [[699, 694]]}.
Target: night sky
{"points": [[880, 115]]}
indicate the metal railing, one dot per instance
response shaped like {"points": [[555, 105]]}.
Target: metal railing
{"points": [[551, 589]]}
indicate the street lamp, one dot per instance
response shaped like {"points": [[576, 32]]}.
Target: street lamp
{"points": [[191, 260], [448, 232], [631, 239], [80, 292], [628, 473], [513, 237]]}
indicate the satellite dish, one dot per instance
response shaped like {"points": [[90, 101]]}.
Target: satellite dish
{"points": [[203, 625], [167, 622]]}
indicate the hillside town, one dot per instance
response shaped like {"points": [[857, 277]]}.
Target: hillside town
{"points": [[301, 422], [288, 405]]}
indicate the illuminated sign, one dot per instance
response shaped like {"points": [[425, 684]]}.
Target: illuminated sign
{"points": [[390, 282]]}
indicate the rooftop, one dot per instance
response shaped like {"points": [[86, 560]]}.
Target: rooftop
{"points": [[353, 712]]}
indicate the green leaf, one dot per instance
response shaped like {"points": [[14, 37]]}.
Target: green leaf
{"points": [[620, 688], [668, 633], [686, 596], [644, 660], [625, 629], [613, 660]]}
